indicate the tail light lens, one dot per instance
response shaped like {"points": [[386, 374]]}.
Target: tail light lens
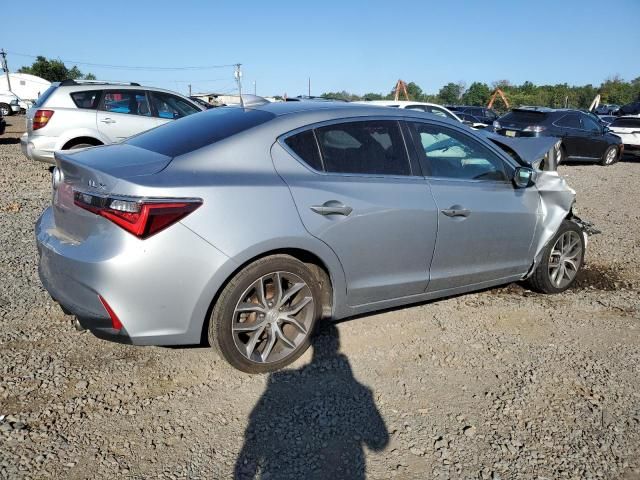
{"points": [[534, 128], [41, 118], [140, 217]]}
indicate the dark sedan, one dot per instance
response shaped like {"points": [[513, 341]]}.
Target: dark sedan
{"points": [[583, 138]]}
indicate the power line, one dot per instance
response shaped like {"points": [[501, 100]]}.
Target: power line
{"points": [[130, 67]]}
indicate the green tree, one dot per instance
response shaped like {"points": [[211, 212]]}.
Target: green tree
{"points": [[477, 94], [450, 93], [54, 70]]}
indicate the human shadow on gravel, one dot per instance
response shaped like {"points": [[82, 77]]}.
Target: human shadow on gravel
{"points": [[312, 423]]}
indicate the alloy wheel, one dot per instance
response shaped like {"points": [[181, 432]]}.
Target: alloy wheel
{"points": [[611, 156], [273, 317], [565, 259]]}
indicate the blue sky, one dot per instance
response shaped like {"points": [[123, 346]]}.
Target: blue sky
{"points": [[362, 46]]}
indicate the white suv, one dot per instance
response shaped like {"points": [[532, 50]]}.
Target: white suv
{"points": [[79, 114]]}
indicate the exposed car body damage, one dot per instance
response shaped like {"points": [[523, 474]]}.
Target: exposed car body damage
{"points": [[557, 198]]}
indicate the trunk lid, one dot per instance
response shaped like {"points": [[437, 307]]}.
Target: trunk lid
{"points": [[96, 170]]}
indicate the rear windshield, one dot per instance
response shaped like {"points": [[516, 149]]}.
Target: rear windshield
{"points": [[626, 123], [43, 96], [196, 131], [520, 116]]}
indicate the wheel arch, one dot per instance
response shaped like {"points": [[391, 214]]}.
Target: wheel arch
{"points": [[328, 270], [82, 139]]}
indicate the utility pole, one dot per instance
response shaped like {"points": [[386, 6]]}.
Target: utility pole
{"points": [[5, 68], [309, 87], [238, 74], [189, 89]]}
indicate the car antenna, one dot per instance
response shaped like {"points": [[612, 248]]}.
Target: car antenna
{"points": [[238, 74]]}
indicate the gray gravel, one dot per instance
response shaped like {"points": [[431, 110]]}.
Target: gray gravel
{"points": [[503, 383]]}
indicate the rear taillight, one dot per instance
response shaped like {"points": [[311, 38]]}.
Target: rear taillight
{"points": [[41, 118], [140, 217], [116, 324]]}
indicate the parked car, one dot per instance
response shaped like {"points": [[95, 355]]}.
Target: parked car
{"points": [[606, 109], [74, 114], [629, 109], [583, 138], [248, 226], [485, 115], [9, 103], [432, 108], [628, 129]]}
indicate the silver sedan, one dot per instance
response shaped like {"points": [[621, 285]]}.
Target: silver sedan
{"points": [[245, 227]]}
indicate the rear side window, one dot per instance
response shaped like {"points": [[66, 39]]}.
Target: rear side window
{"points": [[626, 123], [304, 145], [86, 99], [197, 131], [44, 96], [440, 112], [370, 148]]}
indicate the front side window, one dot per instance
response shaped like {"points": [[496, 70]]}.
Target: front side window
{"points": [[86, 99], [569, 121], [171, 106], [132, 102], [589, 125], [451, 154], [372, 148]]}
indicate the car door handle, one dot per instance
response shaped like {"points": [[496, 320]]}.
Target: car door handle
{"points": [[456, 211], [332, 207], [107, 120]]}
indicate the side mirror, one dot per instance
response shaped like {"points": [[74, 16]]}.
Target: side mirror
{"points": [[523, 177]]}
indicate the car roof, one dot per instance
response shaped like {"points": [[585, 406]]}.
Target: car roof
{"points": [[310, 112], [395, 103], [97, 85]]}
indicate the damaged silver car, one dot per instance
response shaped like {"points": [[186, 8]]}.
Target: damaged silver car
{"points": [[246, 226]]}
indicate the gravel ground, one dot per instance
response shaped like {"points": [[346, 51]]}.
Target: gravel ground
{"points": [[503, 383]]}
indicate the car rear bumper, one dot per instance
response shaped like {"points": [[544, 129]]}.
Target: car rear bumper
{"points": [[38, 148], [159, 288]]}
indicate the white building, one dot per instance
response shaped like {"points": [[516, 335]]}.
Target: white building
{"points": [[24, 85]]}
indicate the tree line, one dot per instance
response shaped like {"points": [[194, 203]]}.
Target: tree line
{"points": [[613, 90], [55, 70]]}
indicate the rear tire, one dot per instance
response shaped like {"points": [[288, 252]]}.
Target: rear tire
{"points": [[264, 318], [5, 108], [561, 261], [610, 156]]}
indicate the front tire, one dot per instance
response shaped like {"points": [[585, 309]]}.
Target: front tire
{"points": [[610, 156], [561, 261], [264, 318], [5, 108]]}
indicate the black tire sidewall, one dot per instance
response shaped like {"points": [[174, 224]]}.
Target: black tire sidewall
{"points": [[547, 285], [220, 333]]}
